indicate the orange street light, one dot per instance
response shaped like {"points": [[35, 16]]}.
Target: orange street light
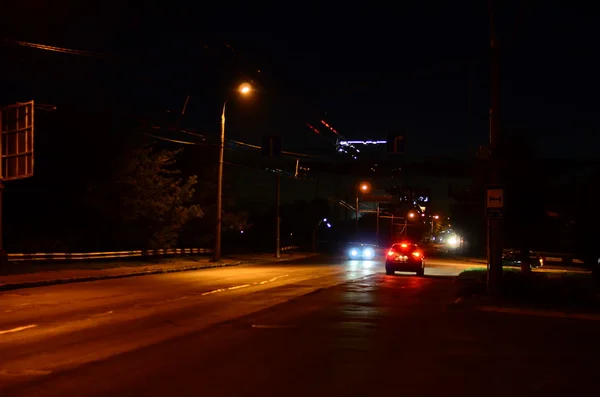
{"points": [[245, 88], [363, 187]]}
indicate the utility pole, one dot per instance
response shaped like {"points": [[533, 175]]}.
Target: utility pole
{"points": [[377, 227], [278, 217], [219, 220], [494, 229], [356, 223]]}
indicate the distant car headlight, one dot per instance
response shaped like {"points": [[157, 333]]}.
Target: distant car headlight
{"points": [[369, 253], [354, 252], [453, 241]]}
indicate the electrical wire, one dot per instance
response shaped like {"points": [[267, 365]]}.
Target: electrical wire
{"points": [[55, 49], [229, 47]]}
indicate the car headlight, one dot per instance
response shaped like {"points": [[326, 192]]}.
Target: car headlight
{"points": [[353, 252], [369, 253]]}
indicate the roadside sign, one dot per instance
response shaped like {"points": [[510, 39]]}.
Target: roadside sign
{"points": [[495, 201], [16, 141]]}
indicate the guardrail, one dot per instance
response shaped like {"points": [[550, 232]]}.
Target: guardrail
{"points": [[564, 258], [79, 256]]}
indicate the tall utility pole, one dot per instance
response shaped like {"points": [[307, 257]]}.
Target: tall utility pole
{"points": [[377, 227], [357, 213], [219, 220], [494, 229], [278, 217]]}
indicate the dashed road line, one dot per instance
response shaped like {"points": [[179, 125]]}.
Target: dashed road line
{"points": [[239, 286], [243, 285], [18, 329]]}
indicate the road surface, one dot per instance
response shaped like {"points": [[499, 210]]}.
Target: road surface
{"points": [[312, 327]]}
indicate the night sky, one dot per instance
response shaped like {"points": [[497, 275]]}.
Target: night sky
{"points": [[420, 68]]}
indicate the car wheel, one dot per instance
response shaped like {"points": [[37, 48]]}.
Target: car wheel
{"points": [[421, 272], [389, 272]]}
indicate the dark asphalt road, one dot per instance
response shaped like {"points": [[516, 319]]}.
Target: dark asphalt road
{"points": [[253, 330]]}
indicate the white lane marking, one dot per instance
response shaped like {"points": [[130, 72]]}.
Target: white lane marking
{"points": [[242, 286], [239, 286], [8, 331], [213, 291]]}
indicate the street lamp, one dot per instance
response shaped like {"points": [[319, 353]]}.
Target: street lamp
{"points": [[363, 187], [435, 217], [243, 89], [316, 229]]}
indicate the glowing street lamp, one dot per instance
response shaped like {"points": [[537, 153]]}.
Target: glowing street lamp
{"points": [[363, 187], [243, 89]]}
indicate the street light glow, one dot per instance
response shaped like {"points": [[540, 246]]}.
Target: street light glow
{"points": [[365, 187], [245, 88], [411, 214]]}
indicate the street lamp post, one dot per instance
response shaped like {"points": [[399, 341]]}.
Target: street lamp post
{"points": [[364, 187], [243, 89], [433, 223]]}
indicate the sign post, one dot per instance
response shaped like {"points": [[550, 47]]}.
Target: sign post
{"points": [[495, 205], [16, 149]]}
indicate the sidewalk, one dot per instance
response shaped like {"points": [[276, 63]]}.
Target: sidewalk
{"points": [[37, 275]]}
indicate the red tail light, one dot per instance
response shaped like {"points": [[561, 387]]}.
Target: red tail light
{"points": [[391, 253], [417, 254], [404, 245]]}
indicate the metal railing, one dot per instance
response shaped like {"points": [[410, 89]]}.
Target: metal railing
{"points": [[79, 256]]}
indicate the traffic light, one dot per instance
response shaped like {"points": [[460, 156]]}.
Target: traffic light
{"points": [[271, 146], [396, 142]]}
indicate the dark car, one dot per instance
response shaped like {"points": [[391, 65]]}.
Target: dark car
{"points": [[405, 257], [515, 258]]}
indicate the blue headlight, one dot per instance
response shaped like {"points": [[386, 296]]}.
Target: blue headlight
{"points": [[369, 253], [353, 252]]}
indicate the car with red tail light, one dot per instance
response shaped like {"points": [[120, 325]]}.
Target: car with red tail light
{"points": [[405, 257]]}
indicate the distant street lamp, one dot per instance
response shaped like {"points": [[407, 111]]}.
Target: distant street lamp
{"points": [[435, 217], [316, 229], [363, 187], [243, 89]]}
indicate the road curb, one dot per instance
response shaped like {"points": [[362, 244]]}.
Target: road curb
{"points": [[47, 283]]}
